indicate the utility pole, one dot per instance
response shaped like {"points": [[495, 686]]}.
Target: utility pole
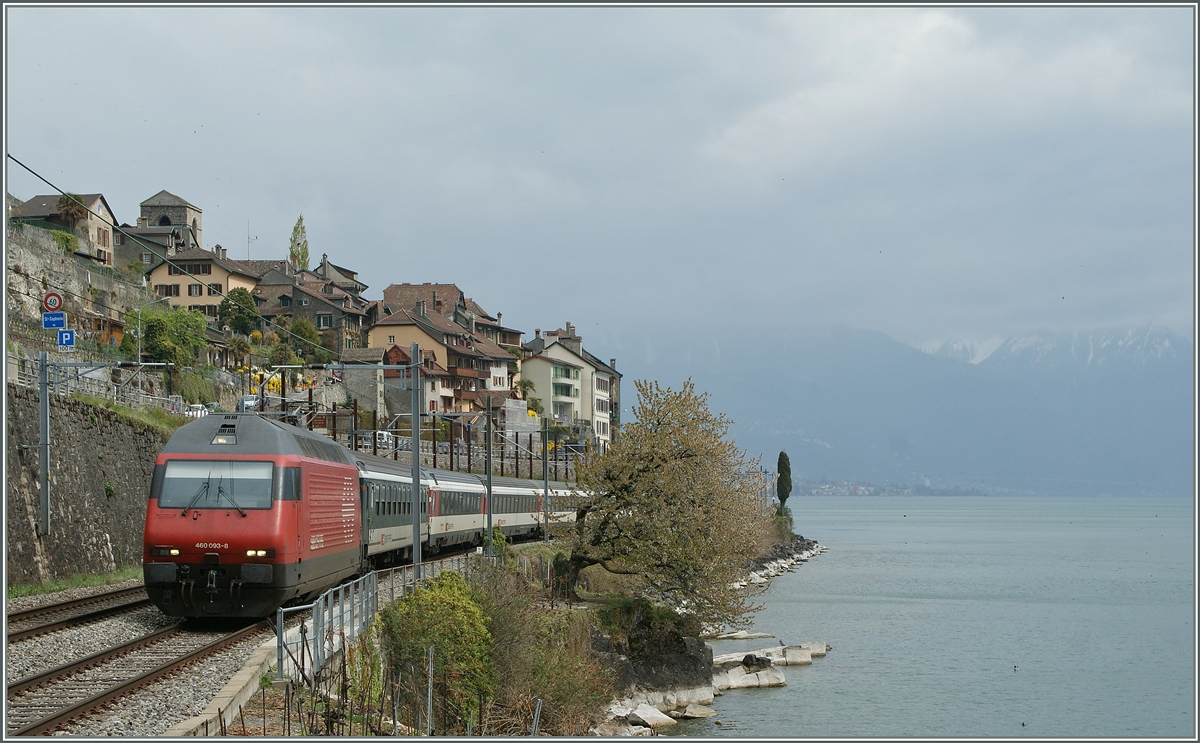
{"points": [[545, 484], [44, 440], [43, 525], [488, 453], [414, 376]]}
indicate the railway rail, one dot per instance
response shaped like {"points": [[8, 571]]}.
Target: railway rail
{"points": [[23, 625], [40, 704]]}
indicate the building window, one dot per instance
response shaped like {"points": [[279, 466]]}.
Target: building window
{"points": [[391, 340], [195, 269], [166, 290], [195, 290], [147, 258], [285, 301], [324, 321], [214, 290], [601, 385], [303, 302], [562, 390]]}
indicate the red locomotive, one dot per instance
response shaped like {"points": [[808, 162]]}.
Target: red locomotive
{"points": [[247, 514]]}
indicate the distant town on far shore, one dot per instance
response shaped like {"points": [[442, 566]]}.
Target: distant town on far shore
{"points": [[846, 487]]}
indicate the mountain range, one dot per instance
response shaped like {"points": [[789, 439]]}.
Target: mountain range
{"points": [[1086, 412]]}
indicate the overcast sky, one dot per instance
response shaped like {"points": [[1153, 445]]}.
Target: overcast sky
{"points": [[930, 173]]}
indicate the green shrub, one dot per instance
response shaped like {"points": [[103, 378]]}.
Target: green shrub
{"points": [[194, 388], [538, 655], [68, 242], [643, 626], [442, 614]]}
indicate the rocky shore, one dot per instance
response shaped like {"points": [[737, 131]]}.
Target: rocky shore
{"points": [[682, 678]]}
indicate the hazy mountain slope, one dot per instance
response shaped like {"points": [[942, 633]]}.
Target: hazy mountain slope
{"points": [[1071, 413]]}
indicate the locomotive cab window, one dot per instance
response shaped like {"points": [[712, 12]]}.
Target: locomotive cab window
{"points": [[192, 484]]}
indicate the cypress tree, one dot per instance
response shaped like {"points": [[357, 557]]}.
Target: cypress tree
{"points": [[783, 488], [298, 249]]}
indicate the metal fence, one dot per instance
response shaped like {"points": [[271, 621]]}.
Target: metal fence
{"points": [[96, 383], [336, 619], [341, 614]]}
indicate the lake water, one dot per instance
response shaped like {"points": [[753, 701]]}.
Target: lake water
{"points": [[930, 602]]}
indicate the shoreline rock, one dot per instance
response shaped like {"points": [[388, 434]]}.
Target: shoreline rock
{"points": [[642, 712], [781, 559]]}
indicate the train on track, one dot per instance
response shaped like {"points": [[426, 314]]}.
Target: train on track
{"points": [[247, 514]]}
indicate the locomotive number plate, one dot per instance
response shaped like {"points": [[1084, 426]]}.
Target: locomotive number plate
{"points": [[211, 546]]}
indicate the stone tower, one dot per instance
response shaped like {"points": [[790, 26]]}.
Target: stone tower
{"points": [[165, 209]]}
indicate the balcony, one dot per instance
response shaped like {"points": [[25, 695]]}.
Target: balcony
{"points": [[466, 395], [462, 371]]}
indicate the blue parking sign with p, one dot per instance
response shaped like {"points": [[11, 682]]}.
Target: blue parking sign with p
{"points": [[66, 338]]}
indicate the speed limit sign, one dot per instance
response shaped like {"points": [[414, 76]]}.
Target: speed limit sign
{"points": [[53, 302]]}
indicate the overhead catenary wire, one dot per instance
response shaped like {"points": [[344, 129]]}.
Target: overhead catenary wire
{"points": [[152, 248]]}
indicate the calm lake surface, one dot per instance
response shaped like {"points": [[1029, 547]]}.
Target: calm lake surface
{"points": [[930, 602]]}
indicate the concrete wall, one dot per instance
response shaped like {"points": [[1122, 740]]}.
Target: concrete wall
{"points": [[91, 530]]}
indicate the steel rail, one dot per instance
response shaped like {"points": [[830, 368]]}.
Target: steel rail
{"points": [[20, 616], [38, 679], [78, 619], [66, 714]]}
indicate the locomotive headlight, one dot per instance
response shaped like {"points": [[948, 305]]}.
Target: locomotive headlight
{"points": [[174, 553], [259, 553], [164, 552]]}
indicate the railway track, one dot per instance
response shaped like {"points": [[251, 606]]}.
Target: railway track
{"points": [[23, 625], [48, 701]]}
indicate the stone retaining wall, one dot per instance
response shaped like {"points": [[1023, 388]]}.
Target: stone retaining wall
{"points": [[100, 470]]}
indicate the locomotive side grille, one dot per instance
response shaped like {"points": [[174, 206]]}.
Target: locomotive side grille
{"points": [[315, 449], [333, 510]]}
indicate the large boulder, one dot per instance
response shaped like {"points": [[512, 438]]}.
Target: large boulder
{"points": [[695, 711], [792, 655], [755, 663], [739, 677], [650, 717]]}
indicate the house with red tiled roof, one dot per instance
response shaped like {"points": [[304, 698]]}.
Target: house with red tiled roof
{"points": [[437, 393], [477, 365]]}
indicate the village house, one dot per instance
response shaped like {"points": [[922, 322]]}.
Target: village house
{"points": [[476, 365], [577, 388], [450, 302], [199, 279], [94, 230], [437, 393]]}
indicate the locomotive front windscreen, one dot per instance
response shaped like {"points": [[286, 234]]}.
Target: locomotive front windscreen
{"points": [[191, 484]]}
